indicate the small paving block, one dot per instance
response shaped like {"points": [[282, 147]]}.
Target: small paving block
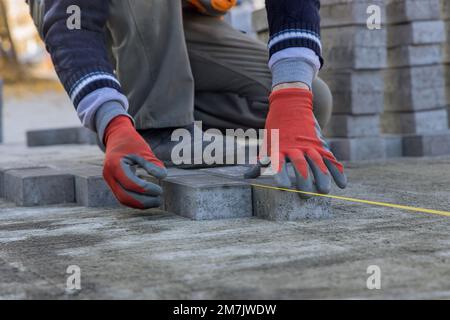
{"points": [[5, 168], [354, 47], [445, 9], [416, 33], [394, 146], [356, 92], [427, 145], [259, 20], [415, 89], [341, 13], [206, 197], [352, 126], [277, 205], [37, 187], [49, 137], [399, 11], [419, 122], [446, 45], [91, 189], [171, 173], [354, 149], [415, 55]]}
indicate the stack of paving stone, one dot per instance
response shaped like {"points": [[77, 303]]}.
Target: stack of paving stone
{"points": [[354, 61], [445, 13], [415, 104], [355, 58]]}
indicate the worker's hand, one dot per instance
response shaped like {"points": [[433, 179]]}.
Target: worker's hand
{"points": [[213, 7], [125, 148], [300, 142]]}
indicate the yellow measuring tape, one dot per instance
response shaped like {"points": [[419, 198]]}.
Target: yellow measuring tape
{"points": [[375, 203]]}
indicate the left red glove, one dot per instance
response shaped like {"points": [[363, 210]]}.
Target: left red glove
{"points": [[300, 142], [125, 148]]}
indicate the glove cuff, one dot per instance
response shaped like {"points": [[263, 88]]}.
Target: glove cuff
{"points": [[304, 97], [105, 115]]}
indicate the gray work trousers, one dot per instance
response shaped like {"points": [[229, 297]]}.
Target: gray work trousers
{"points": [[177, 66]]}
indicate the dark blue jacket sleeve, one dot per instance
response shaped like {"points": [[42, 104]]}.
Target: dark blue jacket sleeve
{"points": [[294, 23], [80, 56]]}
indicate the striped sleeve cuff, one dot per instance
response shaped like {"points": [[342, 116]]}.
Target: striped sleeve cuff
{"points": [[296, 36], [89, 106], [84, 82]]}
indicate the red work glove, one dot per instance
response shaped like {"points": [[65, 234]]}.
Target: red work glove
{"points": [[126, 148], [301, 142]]}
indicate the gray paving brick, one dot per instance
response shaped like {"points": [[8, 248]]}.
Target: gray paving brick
{"points": [[206, 197], [416, 88], [49, 137], [394, 146], [354, 149], [5, 168], [279, 205], [171, 173], [259, 20], [445, 9], [427, 145], [404, 56], [341, 13], [446, 45], [90, 188], [412, 10], [37, 187], [354, 47], [356, 92], [351, 126], [416, 33], [419, 122]]}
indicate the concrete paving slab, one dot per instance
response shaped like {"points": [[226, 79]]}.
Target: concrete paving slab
{"points": [[416, 33], [419, 122], [204, 197], [400, 11], [91, 189], [352, 126], [415, 88], [7, 167], [50, 137], [427, 145], [38, 187], [415, 55], [279, 205], [356, 91], [394, 146], [342, 13], [355, 149]]}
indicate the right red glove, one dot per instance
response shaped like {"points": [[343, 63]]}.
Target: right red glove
{"points": [[126, 148], [301, 142]]}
